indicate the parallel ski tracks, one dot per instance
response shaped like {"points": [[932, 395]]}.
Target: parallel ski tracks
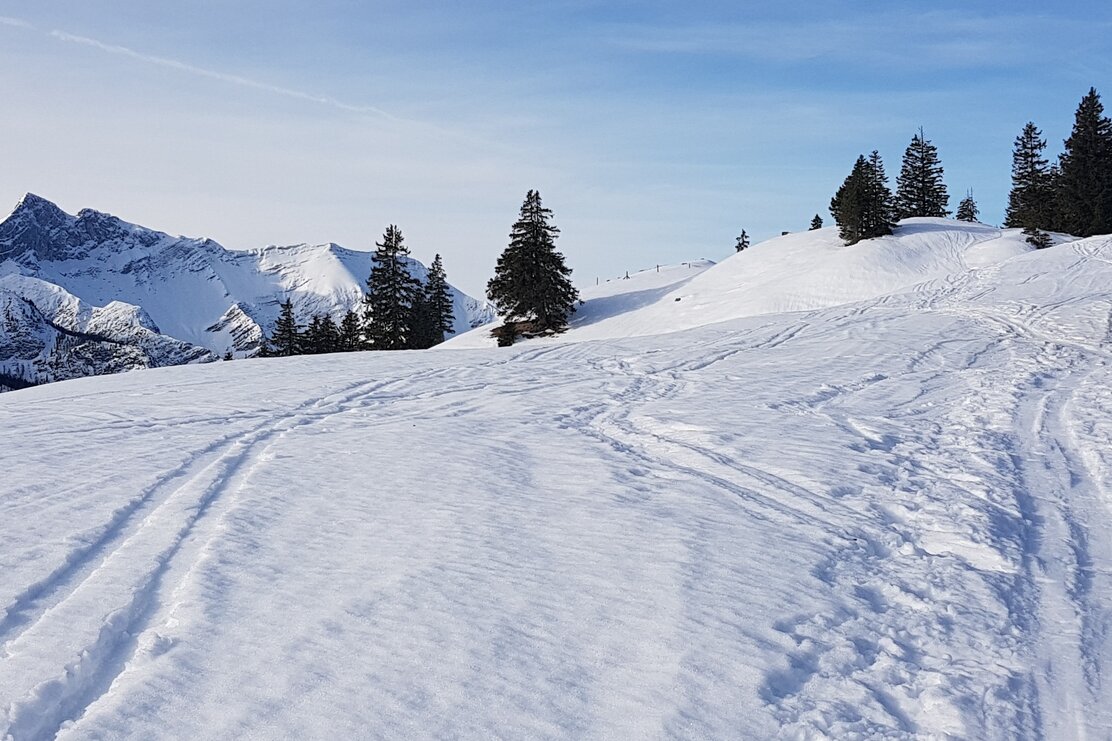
{"points": [[122, 571]]}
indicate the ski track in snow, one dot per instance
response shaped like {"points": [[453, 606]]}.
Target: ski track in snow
{"points": [[883, 520]]}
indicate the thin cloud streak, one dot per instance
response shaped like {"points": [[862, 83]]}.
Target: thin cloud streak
{"points": [[15, 22], [221, 76]]}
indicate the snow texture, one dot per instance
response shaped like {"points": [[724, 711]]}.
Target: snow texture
{"points": [[887, 518]]}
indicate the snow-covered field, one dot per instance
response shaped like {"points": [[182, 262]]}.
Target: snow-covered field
{"points": [[885, 518]]}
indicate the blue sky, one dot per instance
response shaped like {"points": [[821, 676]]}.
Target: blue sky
{"points": [[655, 130]]}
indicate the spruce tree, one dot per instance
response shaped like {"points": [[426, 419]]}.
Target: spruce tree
{"points": [[742, 242], [311, 340], [967, 209], [350, 336], [388, 306], [880, 214], [816, 223], [1037, 237], [1084, 187], [1030, 201], [863, 206], [919, 187], [438, 302], [531, 281], [286, 339], [328, 335], [422, 335]]}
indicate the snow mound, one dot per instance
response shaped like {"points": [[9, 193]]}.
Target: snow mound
{"points": [[795, 272]]}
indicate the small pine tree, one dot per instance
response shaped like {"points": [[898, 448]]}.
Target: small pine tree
{"points": [[391, 290], [228, 354], [1030, 201], [863, 207], [350, 336], [1084, 184], [531, 280], [286, 339], [967, 209], [816, 223], [1038, 238], [919, 187], [742, 242]]}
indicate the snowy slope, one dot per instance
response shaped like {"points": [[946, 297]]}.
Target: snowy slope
{"points": [[194, 290], [795, 272], [882, 519]]}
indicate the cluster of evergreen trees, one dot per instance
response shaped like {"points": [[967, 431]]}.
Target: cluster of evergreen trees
{"points": [[531, 288], [399, 311], [1073, 196]]}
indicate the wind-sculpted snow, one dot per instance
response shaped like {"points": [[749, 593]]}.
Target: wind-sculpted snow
{"points": [[886, 519]]}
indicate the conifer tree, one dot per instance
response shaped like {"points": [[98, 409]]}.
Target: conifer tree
{"points": [[742, 242], [437, 302], [919, 187], [1030, 201], [1084, 185], [311, 340], [350, 336], [863, 207], [388, 306], [531, 280], [328, 335], [286, 339], [816, 223], [1037, 237], [422, 335], [967, 209]]}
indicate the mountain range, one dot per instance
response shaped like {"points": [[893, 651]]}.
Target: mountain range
{"points": [[92, 294]]}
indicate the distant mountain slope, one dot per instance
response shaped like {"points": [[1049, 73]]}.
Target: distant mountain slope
{"points": [[191, 291], [796, 272]]}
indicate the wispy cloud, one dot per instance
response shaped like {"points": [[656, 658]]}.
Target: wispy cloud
{"points": [[937, 39], [17, 22], [221, 76]]}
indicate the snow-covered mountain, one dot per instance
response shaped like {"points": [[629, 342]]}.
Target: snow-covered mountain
{"points": [[132, 283], [887, 518]]}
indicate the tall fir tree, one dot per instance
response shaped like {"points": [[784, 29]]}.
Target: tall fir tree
{"points": [[863, 206], [742, 242], [919, 187], [531, 280], [967, 209], [286, 339], [1031, 199], [350, 336], [391, 290], [438, 302], [816, 223], [1084, 185]]}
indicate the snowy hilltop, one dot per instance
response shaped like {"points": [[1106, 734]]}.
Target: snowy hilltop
{"points": [[813, 491], [89, 294], [795, 272]]}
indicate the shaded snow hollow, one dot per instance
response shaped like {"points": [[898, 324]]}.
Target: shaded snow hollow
{"points": [[887, 518]]}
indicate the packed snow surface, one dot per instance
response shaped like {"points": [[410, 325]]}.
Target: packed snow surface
{"points": [[886, 518]]}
